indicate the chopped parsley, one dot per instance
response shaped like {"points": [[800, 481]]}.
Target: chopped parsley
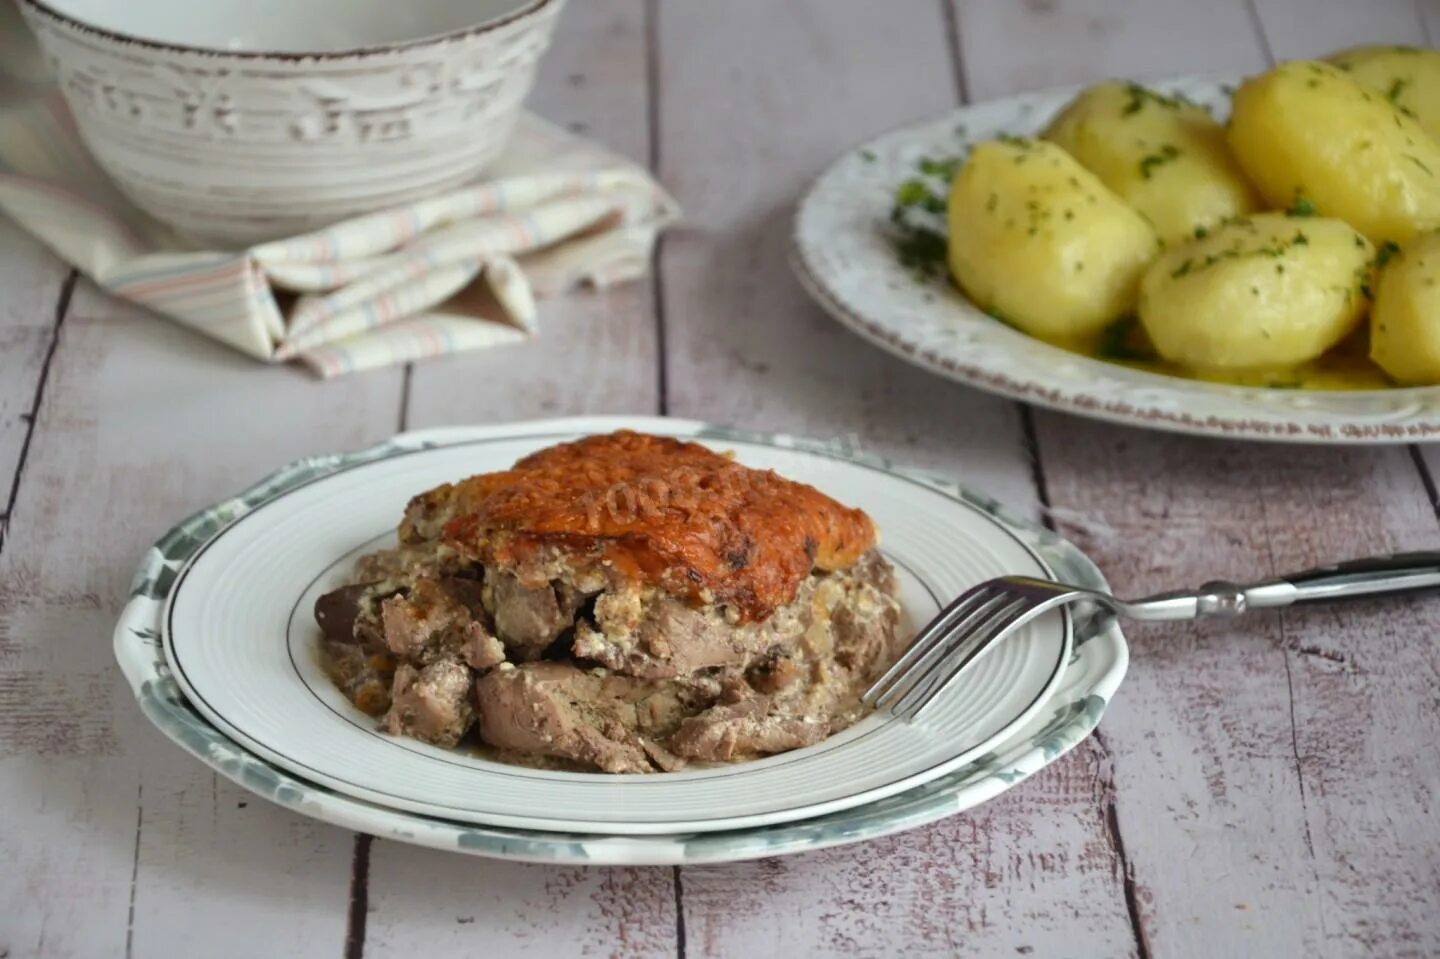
{"points": [[1165, 154], [921, 249], [1139, 96], [917, 217], [1272, 248], [1302, 206], [1124, 340], [944, 167], [912, 193], [1386, 253]]}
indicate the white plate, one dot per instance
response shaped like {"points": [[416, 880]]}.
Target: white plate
{"points": [[240, 640], [844, 258], [1094, 671]]}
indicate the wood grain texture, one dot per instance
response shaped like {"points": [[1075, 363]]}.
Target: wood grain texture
{"points": [[1289, 755], [442, 904], [31, 280], [1031, 872], [143, 422], [1299, 31], [803, 81], [596, 352], [1429, 20], [1033, 44]]}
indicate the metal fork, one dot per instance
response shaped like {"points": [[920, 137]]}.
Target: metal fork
{"points": [[986, 615]]}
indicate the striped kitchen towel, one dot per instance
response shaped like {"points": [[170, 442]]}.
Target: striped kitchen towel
{"points": [[455, 272]]}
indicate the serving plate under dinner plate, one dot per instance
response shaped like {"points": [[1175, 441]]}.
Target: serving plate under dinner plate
{"points": [[843, 256], [227, 595]]}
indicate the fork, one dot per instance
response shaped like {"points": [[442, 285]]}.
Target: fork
{"points": [[988, 614]]}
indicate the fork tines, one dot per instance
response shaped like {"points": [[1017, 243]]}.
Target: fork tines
{"points": [[946, 646]]}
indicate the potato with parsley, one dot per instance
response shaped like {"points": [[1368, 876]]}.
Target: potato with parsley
{"points": [[1268, 292], [1405, 321], [1408, 77], [1310, 137], [1040, 242], [1164, 156]]}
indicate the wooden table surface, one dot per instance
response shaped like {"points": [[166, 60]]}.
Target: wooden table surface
{"points": [[1268, 787]]}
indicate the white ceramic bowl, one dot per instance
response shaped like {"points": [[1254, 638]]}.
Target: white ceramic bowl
{"points": [[245, 120]]}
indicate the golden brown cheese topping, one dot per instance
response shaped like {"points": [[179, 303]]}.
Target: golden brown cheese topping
{"points": [[658, 511]]}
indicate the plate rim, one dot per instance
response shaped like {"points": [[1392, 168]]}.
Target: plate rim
{"points": [[279, 755], [1236, 424], [1101, 649]]}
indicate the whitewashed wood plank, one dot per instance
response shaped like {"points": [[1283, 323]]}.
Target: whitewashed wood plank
{"points": [[1315, 28], [1030, 873], [1367, 788], [142, 423], [1009, 47], [801, 82], [443, 904], [31, 279], [756, 99], [596, 353], [1429, 461], [1289, 755], [1430, 20]]}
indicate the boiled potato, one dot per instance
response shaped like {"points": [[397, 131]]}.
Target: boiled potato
{"points": [[1038, 241], [1409, 77], [1165, 157], [1310, 136], [1268, 292], [1405, 322]]}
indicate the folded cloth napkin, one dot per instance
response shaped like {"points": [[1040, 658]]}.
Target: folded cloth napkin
{"points": [[455, 272]]}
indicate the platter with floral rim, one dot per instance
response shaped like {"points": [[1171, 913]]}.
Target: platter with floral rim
{"points": [[844, 256], [1071, 708]]}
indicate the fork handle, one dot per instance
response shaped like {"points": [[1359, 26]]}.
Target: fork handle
{"points": [[1375, 576]]}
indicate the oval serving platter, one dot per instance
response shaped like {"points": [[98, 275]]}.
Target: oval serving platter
{"points": [[1047, 730], [844, 257]]}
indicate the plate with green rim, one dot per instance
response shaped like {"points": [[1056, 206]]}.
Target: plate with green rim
{"points": [[1068, 711]]}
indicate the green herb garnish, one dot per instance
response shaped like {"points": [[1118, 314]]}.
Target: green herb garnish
{"points": [[1301, 207], [1386, 253], [1166, 154], [945, 167], [1124, 340], [1139, 96]]}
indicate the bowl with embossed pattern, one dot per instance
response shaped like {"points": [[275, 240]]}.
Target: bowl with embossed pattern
{"points": [[241, 122]]}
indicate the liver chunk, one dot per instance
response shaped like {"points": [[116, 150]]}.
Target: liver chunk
{"points": [[558, 710], [432, 704]]}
